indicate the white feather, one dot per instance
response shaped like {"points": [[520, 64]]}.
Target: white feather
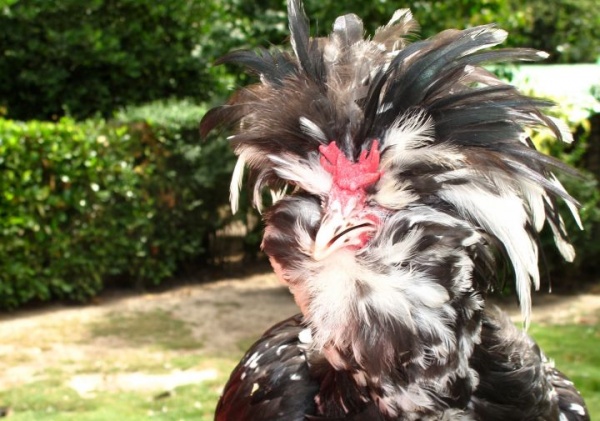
{"points": [[277, 195], [410, 131], [311, 129], [306, 173], [504, 217], [497, 36], [384, 107], [394, 194], [564, 247], [563, 128], [236, 182], [439, 154], [400, 17], [569, 203], [534, 197]]}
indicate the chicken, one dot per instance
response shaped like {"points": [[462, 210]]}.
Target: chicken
{"points": [[402, 176]]}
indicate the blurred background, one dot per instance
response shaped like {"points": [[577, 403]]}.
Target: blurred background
{"points": [[105, 185]]}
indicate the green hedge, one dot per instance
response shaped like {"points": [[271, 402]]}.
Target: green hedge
{"points": [[84, 202]]}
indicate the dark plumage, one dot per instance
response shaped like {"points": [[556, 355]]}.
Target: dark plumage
{"points": [[402, 176]]}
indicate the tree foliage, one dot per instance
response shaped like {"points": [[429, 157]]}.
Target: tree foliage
{"points": [[567, 29], [86, 57]]}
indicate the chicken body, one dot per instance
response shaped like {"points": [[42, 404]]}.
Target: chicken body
{"points": [[402, 176], [281, 378]]}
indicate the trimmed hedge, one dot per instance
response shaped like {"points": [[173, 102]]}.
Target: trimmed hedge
{"points": [[83, 202]]}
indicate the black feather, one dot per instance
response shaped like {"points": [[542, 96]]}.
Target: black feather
{"points": [[274, 66], [310, 57], [260, 387]]}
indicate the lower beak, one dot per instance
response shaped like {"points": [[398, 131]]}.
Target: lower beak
{"points": [[338, 232]]}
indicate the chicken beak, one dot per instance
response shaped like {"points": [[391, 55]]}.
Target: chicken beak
{"points": [[338, 232]]}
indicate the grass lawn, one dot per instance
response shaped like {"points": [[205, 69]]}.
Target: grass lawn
{"points": [[575, 348], [52, 400]]}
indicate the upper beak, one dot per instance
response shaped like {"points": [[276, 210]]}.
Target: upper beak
{"points": [[337, 232]]}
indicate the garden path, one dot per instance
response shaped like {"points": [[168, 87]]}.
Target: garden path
{"points": [[221, 315]]}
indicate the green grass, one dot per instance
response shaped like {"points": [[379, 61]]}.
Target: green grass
{"points": [[156, 328], [575, 349], [49, 401], [52, 399], [148, 342]]}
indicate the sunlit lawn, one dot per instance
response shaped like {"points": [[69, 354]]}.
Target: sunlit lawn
{"points": [[53, 400], [142, 336], [576, 350]]}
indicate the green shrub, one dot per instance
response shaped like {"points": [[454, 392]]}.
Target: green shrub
{"points": [[191, 180], [86, 57], [84, 202], [57, 181]]}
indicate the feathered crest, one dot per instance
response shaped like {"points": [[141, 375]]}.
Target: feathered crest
{"points": [[448, 130]]}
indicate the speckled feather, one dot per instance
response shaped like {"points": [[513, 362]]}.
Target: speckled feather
{"points": [[403, 176]]}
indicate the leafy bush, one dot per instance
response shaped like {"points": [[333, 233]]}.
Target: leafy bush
{"points": [[191, 180], [87, 57], [81, 58], [57, 181], [82, 202]]}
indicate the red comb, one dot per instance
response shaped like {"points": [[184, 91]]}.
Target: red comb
{"points": [[348, 175]]}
